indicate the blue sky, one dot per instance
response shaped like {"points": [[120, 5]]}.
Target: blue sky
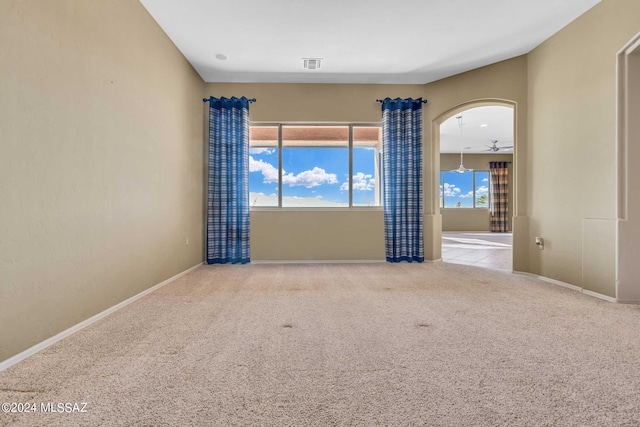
{"points": [[318, 173], [458, 188], [318, 176]]}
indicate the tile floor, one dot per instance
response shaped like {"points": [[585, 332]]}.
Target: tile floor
{"points": [[480, 249]]}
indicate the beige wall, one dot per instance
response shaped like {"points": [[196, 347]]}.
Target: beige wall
{"points": [[628, 285], [571, 175], [101, 173], [101, 165], [503, 83], [277, 102], [312, 233], [317, 235], [473, 219], [340, 234]]}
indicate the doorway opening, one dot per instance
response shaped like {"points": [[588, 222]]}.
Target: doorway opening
{"points": [[471, 196]]}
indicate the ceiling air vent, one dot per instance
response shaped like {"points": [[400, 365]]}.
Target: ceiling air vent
{"points": [[312, 63]]}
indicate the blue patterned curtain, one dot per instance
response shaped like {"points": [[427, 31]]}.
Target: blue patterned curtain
{"points": [[402, 179], [228, 178]]}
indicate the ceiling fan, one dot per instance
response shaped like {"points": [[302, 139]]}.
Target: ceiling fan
{"points": [[495, 147]]}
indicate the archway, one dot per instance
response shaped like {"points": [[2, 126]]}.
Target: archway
{"points": [[461, 200]]}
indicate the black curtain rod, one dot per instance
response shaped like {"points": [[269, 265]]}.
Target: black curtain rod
{"points": [[497, 161], [252, 100], [424, 101]]}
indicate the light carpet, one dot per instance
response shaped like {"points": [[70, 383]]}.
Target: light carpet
{"points": [[340, 345]]}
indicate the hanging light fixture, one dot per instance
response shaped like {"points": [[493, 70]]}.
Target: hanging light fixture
{"points": [[461, 168]]}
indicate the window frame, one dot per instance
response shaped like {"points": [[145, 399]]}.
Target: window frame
{"points": [[473, 172], [350, 146]]}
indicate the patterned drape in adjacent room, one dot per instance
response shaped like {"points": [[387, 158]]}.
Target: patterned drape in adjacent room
{"points": [[402, 179], [228, 181], [499, 212]]}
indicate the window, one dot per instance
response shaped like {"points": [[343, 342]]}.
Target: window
{"points": [[367, 166], [263, 165], [464, 190], [315, 165]]}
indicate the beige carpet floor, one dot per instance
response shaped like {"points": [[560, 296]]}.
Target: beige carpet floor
{"points": [[339, 345]]}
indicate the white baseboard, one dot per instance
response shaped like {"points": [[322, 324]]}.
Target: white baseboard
{"points": [[330, 261], [549, 280], [318, 261], [575, 288], [54, 339], [601, 296], [628, 301]]}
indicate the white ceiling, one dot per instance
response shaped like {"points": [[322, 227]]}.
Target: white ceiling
{"points": [[480, 126], [360, 41]]}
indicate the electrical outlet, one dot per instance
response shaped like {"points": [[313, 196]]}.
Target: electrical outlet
{"points": [[540, 243], [186, 241]]}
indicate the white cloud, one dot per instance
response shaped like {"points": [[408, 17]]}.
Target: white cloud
{"points": [[269, 172], [361, 182], [294, 201], [450, 190], [261, 199], [485, 180], [482, 190], [310, 178], [260, 150]]}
